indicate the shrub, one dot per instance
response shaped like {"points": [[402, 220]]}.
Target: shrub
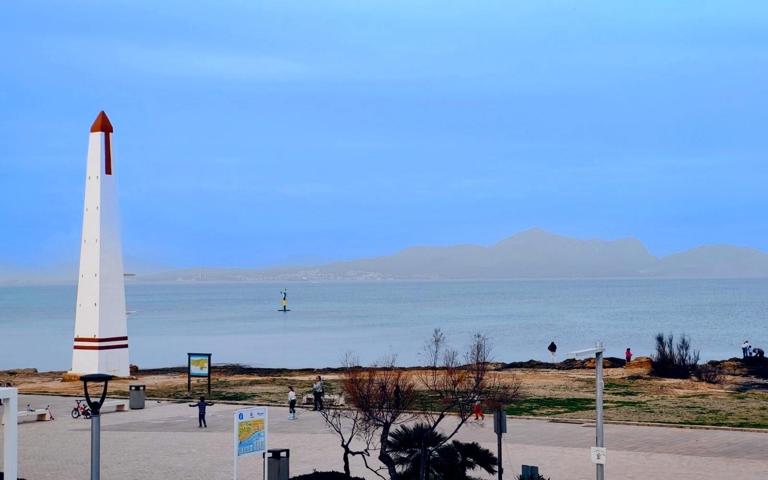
{"points": [[528, 477], [709, 373], [445, 459], [674, 360]]}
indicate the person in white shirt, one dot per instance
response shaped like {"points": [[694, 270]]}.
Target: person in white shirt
{"points": [[745, 348], [318, 390], [291, 404]]}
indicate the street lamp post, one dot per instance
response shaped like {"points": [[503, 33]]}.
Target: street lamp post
{"points": [[95, 407], [598, 452]]}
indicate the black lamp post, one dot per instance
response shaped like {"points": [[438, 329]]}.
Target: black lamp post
{"points": [[95, 407]]}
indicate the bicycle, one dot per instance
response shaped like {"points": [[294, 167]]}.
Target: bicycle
{"points": [[81, 409]]}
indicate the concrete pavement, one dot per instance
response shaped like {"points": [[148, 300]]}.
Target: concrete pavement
{"points": [[164, 442]]}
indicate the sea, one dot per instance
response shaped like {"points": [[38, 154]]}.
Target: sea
{"points": [[240, 322]]}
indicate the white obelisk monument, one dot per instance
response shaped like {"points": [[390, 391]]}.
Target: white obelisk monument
{"points": [[101, 330]]}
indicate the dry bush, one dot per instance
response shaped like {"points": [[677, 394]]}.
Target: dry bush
{"points": [[709, 373], [674, 360]]}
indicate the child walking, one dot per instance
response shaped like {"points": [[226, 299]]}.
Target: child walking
{"points": [[477, 410], [291, 404], [201, 412]]}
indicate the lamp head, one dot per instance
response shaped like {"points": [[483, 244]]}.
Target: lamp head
{"points": [[95, 378], [588, 352]]}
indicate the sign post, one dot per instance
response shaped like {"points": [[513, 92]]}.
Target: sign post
{"points": [[198, 365], [500, 428], [10, 399], [250, 434]]}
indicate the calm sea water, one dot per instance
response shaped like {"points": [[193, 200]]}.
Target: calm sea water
{"points": [[240, 322]]}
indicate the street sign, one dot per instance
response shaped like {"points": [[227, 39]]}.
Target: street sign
{"points": [[250, 431], [250, 434], [598, 455], [198, 366], [499, 422]]}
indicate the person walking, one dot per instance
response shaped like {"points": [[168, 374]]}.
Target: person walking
{"points": [[317, 393], [477, 410], [745, 349], [291, 403], [201, 412], [628, 355]]}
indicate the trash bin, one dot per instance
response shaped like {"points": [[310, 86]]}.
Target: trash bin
{"points": [[530, 472], [137, 395], [277, 463]]}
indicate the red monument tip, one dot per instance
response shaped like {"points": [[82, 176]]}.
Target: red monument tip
{"points": [[101, 124]]}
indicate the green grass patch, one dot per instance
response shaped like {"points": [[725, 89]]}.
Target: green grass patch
{"points": [[554, 406], [232, 396], [550, 406], [620, 389]]}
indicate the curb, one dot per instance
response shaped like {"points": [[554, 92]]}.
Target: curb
{"points": [[588, 421]]}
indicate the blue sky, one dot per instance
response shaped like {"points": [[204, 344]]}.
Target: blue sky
{"points": [[259, 133]]}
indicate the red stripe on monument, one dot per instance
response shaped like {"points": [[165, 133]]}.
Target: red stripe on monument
{"points": [[98, 347], [107, 155], [99, 340]]}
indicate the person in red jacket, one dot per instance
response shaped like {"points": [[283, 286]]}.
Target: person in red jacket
{"points": [[477, 410], [628, 355]]}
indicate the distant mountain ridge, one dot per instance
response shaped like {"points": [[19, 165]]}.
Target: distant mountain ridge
{"points": [[530, 254]]}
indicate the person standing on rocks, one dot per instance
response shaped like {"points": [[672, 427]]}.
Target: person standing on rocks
{"points": [[628, 355], [552, 350]]}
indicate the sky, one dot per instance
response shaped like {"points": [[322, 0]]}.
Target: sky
{"points": [[257, 133]]}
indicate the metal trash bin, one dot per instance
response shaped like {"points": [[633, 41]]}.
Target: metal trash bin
{"points": [[137, 396], [530, 472], [277, 463]]}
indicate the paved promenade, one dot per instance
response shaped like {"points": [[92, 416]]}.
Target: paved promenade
{"points": [[164, 442]]}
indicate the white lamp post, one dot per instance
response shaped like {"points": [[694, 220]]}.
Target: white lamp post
{"points": [[597, 452]]}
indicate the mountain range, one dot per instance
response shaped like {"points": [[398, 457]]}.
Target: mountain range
{"points": [[531, 254]]}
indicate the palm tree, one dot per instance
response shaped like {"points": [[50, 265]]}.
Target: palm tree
{"points": [[452, 460]]}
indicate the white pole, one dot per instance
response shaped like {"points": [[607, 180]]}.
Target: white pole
{"points": [[266, 442], [234, 442], [11, 437], [599, 407]]}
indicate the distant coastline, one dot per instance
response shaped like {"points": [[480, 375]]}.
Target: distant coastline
{"points": [[529, 255]]}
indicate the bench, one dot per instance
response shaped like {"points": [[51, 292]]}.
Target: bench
{"points": [[120, 405], [327, 399], [40, 414]]}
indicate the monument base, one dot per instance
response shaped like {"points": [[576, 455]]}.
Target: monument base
{"points": [[75, 377], [71, 377]]}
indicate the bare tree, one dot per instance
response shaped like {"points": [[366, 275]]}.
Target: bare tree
{"points": [[454, 387], [350, 426], [379, 398], [382, 397]]}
